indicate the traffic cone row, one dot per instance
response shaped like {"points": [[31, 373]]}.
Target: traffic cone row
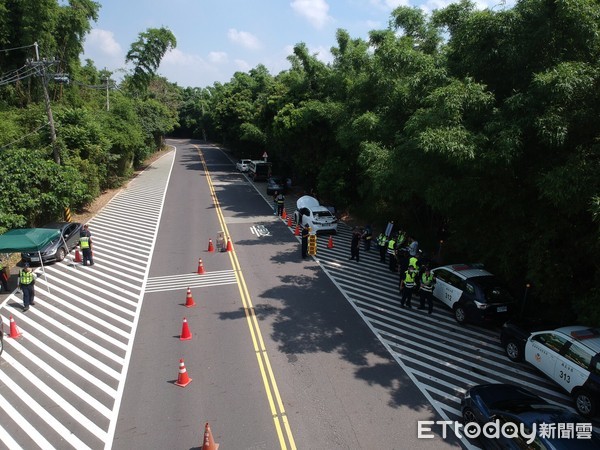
{"points": [[186, 334], [297, 230], [200, 267], [211, 248], [229, 245], [284, 214], [189, 300], [289, 221]]}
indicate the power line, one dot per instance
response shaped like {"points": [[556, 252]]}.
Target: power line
{"points": [[24, 136], [16, 48], [16, 75]]}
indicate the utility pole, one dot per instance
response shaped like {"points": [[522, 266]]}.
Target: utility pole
{"points": [[40, 67], [107, 96]]}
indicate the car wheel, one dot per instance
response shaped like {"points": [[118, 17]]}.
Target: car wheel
{"points": [[468, 416], [460, 314], [585, 404], [513, 351], [60, 254]]}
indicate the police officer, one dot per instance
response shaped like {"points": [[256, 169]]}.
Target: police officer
{"points": [[382, 243], [391, 251], [367, 236], [279, 200], [407, 285], [426, 290], [26, 284], [305, 241], [85, 242]]}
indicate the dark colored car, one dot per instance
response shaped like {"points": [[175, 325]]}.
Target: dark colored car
{"points": [[276, 184], [56, 249], [474, 294], [507, 404]]}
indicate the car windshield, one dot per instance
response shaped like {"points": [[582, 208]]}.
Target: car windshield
{"points": [[323, 214], [493, 290]]}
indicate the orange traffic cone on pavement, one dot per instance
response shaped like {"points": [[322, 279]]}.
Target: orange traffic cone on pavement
{"points": [[186, 334], [189, 300], [200, 267], [297, 230], [14, 331], [229, 246], [289, 222], [182, 379], [330, 243], [208, 443], [211, 248], [78, 257], [284, 214]]}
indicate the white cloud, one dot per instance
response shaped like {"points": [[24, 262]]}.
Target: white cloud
{"points": [[316, 11], [103, 42], [175, 57], [389, 5], [217, 57], [245, 39]]}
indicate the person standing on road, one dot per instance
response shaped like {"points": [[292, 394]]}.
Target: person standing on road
{"points": [[413, 246], [275, 203], [382, 243], [426, 290], [4, 275], [280, 201], [27, 286], [85, 242], [305, 241], [391, 251], [355, 245], [407, 285], [367, 236]]}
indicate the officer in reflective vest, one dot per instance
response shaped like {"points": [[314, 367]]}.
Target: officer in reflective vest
{"points": [[279, 200], [26, 284], [85, 242], [407, 286], [391, 251], [426, 290]]}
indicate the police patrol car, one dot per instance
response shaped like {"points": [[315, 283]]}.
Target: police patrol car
{"points": [[570, 356]]}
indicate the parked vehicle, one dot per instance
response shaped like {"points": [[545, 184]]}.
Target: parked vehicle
{"points": [[276, 184], [259, 170], [56, 250], [473, 293], [508, 404], [243, 165], [569, 356], [319, 218]]}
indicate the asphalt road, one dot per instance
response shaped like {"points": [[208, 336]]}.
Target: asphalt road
{"points": [[278, 358]]}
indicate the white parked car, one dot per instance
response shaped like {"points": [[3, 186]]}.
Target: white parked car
{"points": [[318, 218], [243, 164]]}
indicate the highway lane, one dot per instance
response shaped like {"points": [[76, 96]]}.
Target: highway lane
{"points": [[278, 360]]}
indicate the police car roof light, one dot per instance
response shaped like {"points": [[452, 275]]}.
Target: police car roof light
{"points": [[588, 333]]}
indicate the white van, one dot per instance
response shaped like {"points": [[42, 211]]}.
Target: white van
{"points": [[318, 218]]}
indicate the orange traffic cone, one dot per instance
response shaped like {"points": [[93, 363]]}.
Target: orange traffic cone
{"points": [[189, 300], [210, 246], [289, 223], [229, 246], [297, 230], [208, 442], [186, 334], [284, 214], [78, 257], [14, 331], [330, 243], [200, 267], [182, 379]]}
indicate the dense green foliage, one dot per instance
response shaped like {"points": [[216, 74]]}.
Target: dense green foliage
{"points": [[482, 121], [98, 145]]}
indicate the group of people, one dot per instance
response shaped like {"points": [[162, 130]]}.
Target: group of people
{"points": [[27, 277], [405, 258]]}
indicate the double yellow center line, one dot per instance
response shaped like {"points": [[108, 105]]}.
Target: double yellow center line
{"points": [[280, 419]]}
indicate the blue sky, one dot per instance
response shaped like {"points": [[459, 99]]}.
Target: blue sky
{"points": [[216, 38]]}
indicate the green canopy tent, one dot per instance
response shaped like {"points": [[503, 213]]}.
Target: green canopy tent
{"points": [[27, 240]]}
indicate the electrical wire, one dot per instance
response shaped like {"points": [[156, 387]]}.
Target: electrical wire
{"points": [[24, 136], [16, 48]]}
